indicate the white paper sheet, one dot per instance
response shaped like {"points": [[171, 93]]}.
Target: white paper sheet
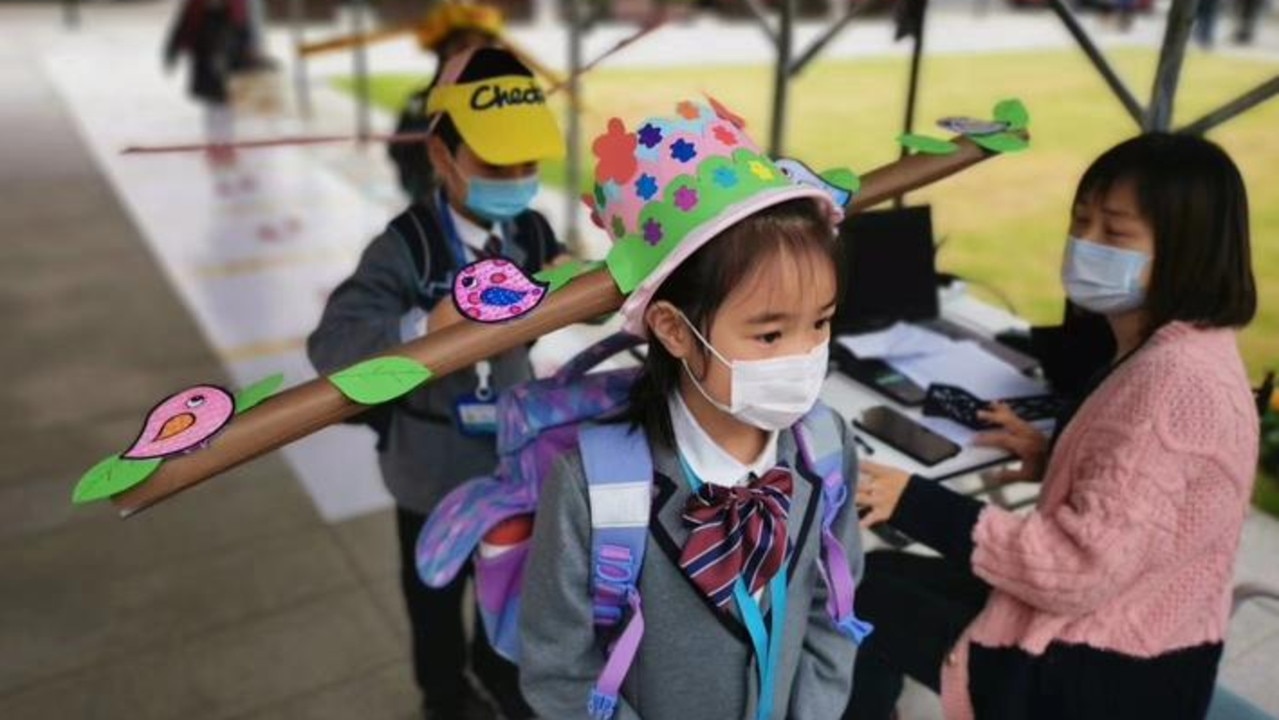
{"points": [[965, 364], [899, 341]]}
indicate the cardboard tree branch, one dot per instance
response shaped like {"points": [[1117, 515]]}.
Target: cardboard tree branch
{"points": [[556, 82], [348, 42], [315, 405]]}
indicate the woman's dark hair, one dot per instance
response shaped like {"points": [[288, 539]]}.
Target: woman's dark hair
{"points": [[704, 281], [1191, 193], [487, 62]]}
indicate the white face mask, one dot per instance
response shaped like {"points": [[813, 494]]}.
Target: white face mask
{"points": [[769, 394], [1103, 279]]}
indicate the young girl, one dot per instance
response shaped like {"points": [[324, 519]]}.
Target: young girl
{"points": [[1111, 598], [735, 277]]}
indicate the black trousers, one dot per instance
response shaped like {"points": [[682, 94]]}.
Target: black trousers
{"points": [[439, 637], [919, 607]]}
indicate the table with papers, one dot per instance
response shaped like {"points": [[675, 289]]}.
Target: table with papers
{"points": [[926, 357]]}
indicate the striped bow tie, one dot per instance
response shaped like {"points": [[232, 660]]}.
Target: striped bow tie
{"points": [[737, 532]]}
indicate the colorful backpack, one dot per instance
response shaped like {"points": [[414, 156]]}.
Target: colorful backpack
{"points": [[488, 519]]}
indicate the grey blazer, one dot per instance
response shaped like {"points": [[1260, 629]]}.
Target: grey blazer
{"points": [[422, 456], [695, 662]]}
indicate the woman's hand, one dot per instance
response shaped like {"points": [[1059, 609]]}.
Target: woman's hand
{"points": [[880, 489], [1017, 437]]}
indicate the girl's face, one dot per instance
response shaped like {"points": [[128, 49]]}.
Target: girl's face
{"points": [[1115, 220], [783, 308]]}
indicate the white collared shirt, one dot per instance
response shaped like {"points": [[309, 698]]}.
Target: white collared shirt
{"points": [[710, 462], [473, 236]]}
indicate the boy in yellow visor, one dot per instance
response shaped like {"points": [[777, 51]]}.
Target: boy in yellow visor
{"points": [[490, 128], [448, 30]]}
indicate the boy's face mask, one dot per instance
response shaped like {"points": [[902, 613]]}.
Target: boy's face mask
{"points": [[1103, 279], [769, 394], [500, 200], [494, 199]]}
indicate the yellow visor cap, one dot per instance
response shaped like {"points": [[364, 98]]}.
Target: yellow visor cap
{"points": [[504, 120]]}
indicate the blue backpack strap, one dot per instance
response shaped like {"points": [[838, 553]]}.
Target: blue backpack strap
{"points": [[822, 449], [619, 477]]}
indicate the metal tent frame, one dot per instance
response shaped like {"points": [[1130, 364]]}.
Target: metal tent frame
{"points": [[1155, 116]]}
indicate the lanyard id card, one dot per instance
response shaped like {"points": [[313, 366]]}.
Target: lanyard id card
{"points": [[475, 413]]}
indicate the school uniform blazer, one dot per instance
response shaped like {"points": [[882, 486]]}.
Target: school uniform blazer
{"points": [[694, 661], [421, 454]]}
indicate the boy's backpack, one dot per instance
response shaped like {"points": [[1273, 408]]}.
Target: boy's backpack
{"points": [[486, 520], [412, 164]]}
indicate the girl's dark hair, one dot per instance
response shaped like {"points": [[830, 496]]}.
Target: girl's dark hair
{"points": [[704, 281], [1191, 193]]}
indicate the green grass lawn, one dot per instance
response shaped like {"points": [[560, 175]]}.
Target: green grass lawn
{"points": [[1004, 222]]}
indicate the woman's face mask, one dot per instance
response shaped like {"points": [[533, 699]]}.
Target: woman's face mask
{"points": [[1108, 272], [1104, 279], [768, 394]]}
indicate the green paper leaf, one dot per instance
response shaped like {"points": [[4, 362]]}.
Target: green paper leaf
{"points": [[844, 179], [927, 145], [254, 394], [559, 276], [1002, 142], [1014, 113], [112, 476], [380, 380]]}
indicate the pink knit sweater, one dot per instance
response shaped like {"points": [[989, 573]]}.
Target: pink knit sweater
{"points": [[1131, 547]]}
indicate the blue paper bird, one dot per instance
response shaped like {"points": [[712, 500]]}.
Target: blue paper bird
{"points": [[800, 173]]}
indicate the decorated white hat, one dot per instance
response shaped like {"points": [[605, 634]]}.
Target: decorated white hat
{"points": [[666, 188]]}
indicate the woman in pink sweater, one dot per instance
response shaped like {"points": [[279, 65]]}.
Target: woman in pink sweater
{"points": [[1110, 600]]}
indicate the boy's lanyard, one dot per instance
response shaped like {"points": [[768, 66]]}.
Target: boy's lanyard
{"points": [[484, 368], [768, 645], [454, 238]]}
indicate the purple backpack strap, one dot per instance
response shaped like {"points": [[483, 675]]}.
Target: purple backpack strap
{"points": [[619, 477], [587, 359], [821, 446]]}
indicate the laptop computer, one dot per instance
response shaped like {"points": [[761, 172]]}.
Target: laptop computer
{"points": [[891, 276]]}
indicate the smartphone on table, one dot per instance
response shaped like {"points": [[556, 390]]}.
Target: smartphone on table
{"points": [[907, 436], [878, 376]]}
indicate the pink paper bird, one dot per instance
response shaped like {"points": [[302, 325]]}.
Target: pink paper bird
{"points": [[495, 290], [182, 421]]}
